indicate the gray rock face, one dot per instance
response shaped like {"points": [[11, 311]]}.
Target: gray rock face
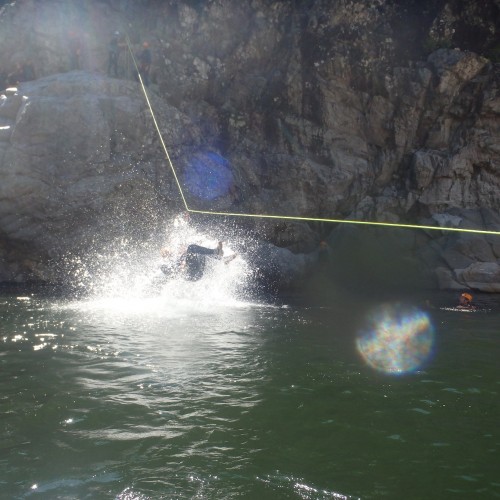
{"points": [[484, 276], [325, 111], [76, 169]]}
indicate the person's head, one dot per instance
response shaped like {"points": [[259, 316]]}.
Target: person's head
{"points": [[465, 299], [323, 244], [145, 45]]}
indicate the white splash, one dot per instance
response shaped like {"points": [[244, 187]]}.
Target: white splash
{"points": [[130, 282]]}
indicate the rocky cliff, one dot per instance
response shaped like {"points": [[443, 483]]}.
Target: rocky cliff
{"points": [[379, 110]]}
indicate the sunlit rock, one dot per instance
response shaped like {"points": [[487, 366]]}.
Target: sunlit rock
{"points": [[70, 175]]}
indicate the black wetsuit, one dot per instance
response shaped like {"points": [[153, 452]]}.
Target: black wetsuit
{"points": [[192, 263], [195, 261]]}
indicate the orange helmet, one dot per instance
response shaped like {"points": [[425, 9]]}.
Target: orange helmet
{"points": [[467, 297]]}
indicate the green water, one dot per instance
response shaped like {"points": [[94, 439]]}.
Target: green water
{"points": [[151, 398]]}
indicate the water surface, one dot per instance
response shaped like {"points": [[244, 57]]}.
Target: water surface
{"points": [[169, 397]]}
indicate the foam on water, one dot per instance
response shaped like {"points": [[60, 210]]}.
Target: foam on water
{"points": [[130, 282]]}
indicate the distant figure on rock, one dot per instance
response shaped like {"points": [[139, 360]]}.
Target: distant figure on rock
{"points": [[145, 63], [324, 253], [29, 71], [114, 49], [22, 73], [15, 77]]}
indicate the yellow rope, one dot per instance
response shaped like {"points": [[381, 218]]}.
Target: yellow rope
{"points": [[347, 221], [155, 122], [286, 217]]}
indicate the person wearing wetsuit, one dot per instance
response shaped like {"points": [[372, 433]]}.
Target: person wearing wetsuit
{"points": [[114, 49], [145, 63], [191, 265], [465, 302]]}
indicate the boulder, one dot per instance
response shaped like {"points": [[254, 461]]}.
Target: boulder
{"points": [[77, 168], [447, 279], [279, 268], [481, 276]]}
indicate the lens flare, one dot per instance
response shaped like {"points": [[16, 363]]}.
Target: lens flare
{"points": [[397, 340], [208, 176]]}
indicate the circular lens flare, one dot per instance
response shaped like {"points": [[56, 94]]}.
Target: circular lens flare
{"points": [[208, 176], [397, 340]]}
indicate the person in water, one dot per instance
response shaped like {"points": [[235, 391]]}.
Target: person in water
{"points": [[324, 253], [191, 264], [465, 302]]}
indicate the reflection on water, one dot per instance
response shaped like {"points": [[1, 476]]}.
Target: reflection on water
{"points": [[165, 397]]}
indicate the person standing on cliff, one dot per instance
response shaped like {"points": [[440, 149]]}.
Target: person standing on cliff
{"points": [[16, 76], [324, 253], [114, 49], [29, 71], [145, 63]]}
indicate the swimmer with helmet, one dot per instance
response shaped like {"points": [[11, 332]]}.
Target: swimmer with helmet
{"points": [[465, 302]]}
